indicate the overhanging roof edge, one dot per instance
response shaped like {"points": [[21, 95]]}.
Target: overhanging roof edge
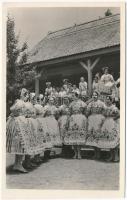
{"points": [[75, 56]]}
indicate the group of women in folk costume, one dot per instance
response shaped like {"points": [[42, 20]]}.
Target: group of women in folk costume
{"points": [[31, 129], [94, 124], [103, 126], [36, 126]]}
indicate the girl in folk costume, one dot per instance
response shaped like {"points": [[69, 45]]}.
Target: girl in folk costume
{"points": [[109, 86], [61, 95], [95, 83], [75, 89], [50, 112], [65, 84], [37, 145], [55, 94], [48, 89], [107, 78], [34, 143], [41, 99], [83, 85], [42, 126], [98, 76], [109, 137], [32, 98], [16, 132], [64, 113], [96, 118], [77, 129], [42, 131], [70, 92]]}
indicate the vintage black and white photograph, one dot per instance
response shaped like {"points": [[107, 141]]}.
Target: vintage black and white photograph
{"points": [[63, 98]]}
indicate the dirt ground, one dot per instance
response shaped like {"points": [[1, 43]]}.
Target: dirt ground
{"points": [[59, 173]]}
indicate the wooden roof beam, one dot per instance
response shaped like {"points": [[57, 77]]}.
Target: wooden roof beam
{"points": [[95, 62], [83, 65]]}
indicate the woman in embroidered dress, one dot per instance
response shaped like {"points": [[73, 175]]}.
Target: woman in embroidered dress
{"points": [[16, 131], [76, 134], [96, 118], [107, 78], [50, 112], [30, 114], [109, 86], [109, 137], [42, 132], [64, 113], [34, 142], [42, 127]]}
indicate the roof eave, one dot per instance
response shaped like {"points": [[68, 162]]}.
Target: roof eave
{"points": [[96, 52]]}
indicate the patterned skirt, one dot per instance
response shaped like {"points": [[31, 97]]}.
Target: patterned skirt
{"points": [[76, 133], [109, 137], [63, 126], [53, 130], [95, 123], [43, 133], [22, 136], [14, 130]]}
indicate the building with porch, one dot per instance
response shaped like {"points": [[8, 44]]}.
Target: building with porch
{"points": [[80, 50]]}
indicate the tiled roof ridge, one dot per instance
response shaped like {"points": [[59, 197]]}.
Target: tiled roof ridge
{"points": [[101, 18]]}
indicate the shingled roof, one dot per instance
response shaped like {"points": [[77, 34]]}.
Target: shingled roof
{"points": [[98, 34]]}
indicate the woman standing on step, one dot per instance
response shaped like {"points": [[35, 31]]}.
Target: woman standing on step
{"points": [[109, 138], [64, 115], [77, 130], [96, 118], [42, 129], [16, 132], [50, 114]]}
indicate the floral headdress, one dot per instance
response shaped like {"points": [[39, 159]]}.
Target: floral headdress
{"points": [[24, 91]]}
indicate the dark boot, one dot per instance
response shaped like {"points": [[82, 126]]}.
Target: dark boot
{"points": [[116, 155], [76, 152], [47, 155], [79, 152], [110, 157], [27, 162]]}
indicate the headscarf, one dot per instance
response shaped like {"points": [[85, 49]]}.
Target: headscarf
{"points": [[18, 107], [24, 91], [41, 96], [38, 109], [32, 95]]}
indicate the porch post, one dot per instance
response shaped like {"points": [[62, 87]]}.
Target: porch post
{"points": [[36, 87], [89, 68], [37, 77], [89, 76]]}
